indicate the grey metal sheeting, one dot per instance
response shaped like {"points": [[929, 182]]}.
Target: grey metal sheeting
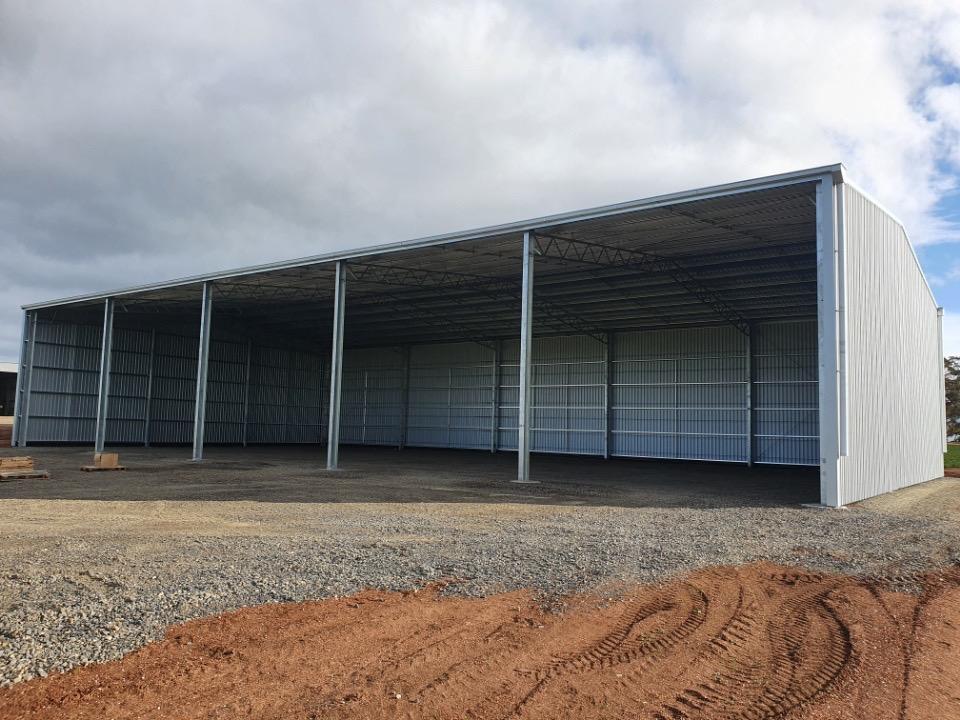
{"points": [[677, 393]]}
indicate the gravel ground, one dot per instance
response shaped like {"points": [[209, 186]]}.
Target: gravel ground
{"points": [[88, 580]]}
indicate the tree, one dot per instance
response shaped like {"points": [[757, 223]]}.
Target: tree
{"points": [[951, 371]]}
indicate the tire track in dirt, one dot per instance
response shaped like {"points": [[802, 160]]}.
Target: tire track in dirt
{"points": [[685, 607], [765, 665], [758, 642]]}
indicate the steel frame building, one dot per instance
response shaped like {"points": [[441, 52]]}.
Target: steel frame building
{"points": [[782, 320]]}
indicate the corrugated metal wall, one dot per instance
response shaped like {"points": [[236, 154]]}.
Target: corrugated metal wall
{"points": [[894, 361], [675, 393], [451, 395], [372, 396], [63, 398], [681, 394], [785, 398], [174, 388], [286, 400], [567, 403]]}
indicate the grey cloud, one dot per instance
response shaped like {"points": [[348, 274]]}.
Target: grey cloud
{"points": [[170, 140]]}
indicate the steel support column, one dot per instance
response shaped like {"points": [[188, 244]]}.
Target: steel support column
{"points": [[404, 398], [148, 400], [751, 430], [336, 366], [21, 411], [526, 352], [608, 398], [246, 395], [843, 393], [943, 380], [827, 342], [103, 386], [495, 400], [203, 361]]}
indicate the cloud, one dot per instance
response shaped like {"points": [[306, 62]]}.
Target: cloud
{"points": [[140, 141], [945, 277]]}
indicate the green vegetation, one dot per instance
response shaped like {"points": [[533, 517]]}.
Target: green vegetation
{"points": [[952, 458], [951, 382]]}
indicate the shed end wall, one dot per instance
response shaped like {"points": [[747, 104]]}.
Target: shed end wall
{"points": [[893, 358]]}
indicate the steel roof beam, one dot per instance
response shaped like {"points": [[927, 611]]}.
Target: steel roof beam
{"points": [[564, 248], [494, 287], [596, 308], [432, 318]]}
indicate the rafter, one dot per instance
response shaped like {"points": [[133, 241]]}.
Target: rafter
{"points": [[573, 250], [435, 319], [493, 287]]}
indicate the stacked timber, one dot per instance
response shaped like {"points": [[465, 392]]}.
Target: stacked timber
{"points": [[19, 468], [16, 463]]}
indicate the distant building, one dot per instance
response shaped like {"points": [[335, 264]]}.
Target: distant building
{"points": [[8, 394]]}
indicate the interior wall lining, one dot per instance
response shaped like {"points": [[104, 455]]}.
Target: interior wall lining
{"points": [[675, 393]]}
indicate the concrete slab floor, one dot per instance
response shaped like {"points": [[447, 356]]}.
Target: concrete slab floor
{"points": [[370, 474]]}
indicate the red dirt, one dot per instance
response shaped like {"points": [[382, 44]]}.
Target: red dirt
{"points": [[951, 472], [760, 641]]}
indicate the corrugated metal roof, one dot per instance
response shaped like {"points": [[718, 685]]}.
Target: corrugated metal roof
{"points": [[748, 247]]}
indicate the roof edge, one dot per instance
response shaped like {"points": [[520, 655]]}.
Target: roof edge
{"points": [[675, 198]]}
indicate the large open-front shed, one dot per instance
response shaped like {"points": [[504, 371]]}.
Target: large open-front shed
{"points": [[783, 320]]}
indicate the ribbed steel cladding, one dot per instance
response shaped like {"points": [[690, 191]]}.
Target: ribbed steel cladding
{"points": [[450, 395], [895, 409], [677, 393]]}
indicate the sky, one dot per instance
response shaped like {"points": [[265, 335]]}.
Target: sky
{"points": [[150, 140]]}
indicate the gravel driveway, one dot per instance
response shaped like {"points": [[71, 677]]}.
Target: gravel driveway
{"points": [[86, 580]]}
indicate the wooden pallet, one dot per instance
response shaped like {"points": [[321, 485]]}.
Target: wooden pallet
{"points": [[99, 468], [22, 462], [8, 475]]}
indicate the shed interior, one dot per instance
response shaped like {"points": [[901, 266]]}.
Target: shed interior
{"points": [[686, 330]]}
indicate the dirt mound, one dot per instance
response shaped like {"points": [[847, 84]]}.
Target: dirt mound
{"points": [[760, 641]]}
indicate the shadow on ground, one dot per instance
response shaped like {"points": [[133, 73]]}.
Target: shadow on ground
{"points": [[375, 475]]}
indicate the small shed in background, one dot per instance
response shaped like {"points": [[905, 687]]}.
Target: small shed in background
{"points": [[8, 394]]}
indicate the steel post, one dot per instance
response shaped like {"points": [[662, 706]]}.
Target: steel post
{"points": [[21, 411], [495, 401], [404, 398], [245, 418], [148, 400], [943, 380], [827, 343], [843, 393], [103, 386], [526, 352], [751, 430], [336, 366], [203, 361], [608, 397]]}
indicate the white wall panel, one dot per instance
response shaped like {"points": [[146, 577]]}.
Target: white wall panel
{"points": [[785, 396], [894, 360], [568, 385], [676, 393], [680, 394]]}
